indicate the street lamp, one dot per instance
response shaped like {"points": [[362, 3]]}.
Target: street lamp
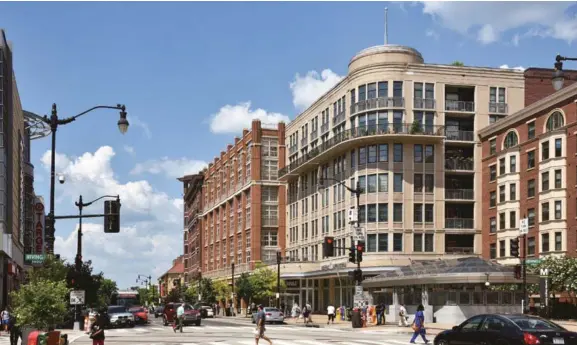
{"points": [[278, 260], [54, 122], [558, 76]]}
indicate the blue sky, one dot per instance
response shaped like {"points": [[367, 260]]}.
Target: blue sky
{"points": [[177, 65]]}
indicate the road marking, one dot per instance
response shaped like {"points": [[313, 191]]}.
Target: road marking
{"points": [[372, 342]]}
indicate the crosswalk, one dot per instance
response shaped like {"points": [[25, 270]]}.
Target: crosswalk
{"points": [[203, 328], [278, 342]]}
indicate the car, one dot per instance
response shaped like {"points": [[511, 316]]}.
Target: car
{"points": [[158, 311], [169, 313], [206, 310], [191, 315], [506, 329], [271, 315], [140, 315], [119, 316]]}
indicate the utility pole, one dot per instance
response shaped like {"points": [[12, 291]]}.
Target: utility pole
{"points": [[232, 295]]}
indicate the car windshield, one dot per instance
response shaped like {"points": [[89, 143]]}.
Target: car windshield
{"points": [[137, 310], [116, 310], [206, 307], [536, 324], [188, 307], [271, 309]]}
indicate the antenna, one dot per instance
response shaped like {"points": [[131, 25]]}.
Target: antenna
{"points": [[386, 26]]}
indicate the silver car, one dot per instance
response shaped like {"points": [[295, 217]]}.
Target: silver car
{"points": [[272, 315]]}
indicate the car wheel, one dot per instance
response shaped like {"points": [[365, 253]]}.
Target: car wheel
{"points": [[197, 323], [442, 342], [131, 325]]}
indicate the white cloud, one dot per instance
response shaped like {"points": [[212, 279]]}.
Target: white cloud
{"points": [[432, 33], [151, 220], [518, 68], [515, 40], [310, 87], [234, 118], [135, 121], [129, 149], [488, 22], [172, 168]]}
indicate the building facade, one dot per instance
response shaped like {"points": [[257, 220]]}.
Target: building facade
{"points": [[243, 219], [192, 237], [173, 278], [406, 131], [529, 172]]}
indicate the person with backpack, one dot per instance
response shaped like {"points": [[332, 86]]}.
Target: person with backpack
{"points": [[15, 331]]}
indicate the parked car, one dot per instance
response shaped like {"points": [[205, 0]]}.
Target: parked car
{"points": [[158, 311], [191, 315], [514, 329], [169, 313], [206, 310], [140, 315], [119, 316], [272, 315]]}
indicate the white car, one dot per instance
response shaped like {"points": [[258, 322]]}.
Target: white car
{"points": [[207, 311]]}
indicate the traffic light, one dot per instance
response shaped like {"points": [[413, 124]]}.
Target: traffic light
{"points": [[329, 247], [112, 216], [358, 275], [514, 247], [360, 250], [352, 255], [71, 278], [517, 271]]}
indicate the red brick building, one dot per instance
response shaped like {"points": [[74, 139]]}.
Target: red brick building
{"points": [[243, 205], [192, 185], [529, 171], [173, 278], [538, 83]]}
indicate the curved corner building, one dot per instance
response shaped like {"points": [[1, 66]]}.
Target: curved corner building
{"points": [[407, 132]]}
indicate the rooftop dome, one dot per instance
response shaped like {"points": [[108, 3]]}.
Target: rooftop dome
{"points": [[385, 54]]}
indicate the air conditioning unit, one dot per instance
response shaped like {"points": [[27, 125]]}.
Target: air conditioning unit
{"points": [[353, 216]]}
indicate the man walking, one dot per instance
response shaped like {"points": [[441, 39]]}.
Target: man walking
{"points": [[260, 321], [178, 322], [331, 314]]}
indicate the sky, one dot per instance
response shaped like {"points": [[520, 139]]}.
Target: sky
{"points": [[193, 75]]}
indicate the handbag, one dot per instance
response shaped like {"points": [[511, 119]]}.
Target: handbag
{"points": [[256, 332], [415, 327]]}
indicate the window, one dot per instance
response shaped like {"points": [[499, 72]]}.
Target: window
{"points": [[372, 184], [492, 173], [362, 214], [371, 243], [513, 191], [397, 89], [502, 197], [383, 153], [493, 225], [545, 181], [492, 146], [429, 214], [502, 166], [544, 243], [383, 183], [363, 183], [558, 178], [383, 89], [531, 188], [557, 209], [398, 153], [531, 216], [429, 183], [418, 153], [269, 238], [492, 199], [429, 154], [418, 213], [418, 183], [531, 130], [362, 93], [545, 211], [512, 220], [530, 159], [383, 213], [397, 242], [362, 155], [372, 91], [555, 121], [493, 250], [531, 246], [372, 154], [371, 213], [502, 221], [513, 164], [502, 248], [418, 242], [398, 183], [558, 149], [511, 140], [383, 242], [544, 150], [397, 213]]}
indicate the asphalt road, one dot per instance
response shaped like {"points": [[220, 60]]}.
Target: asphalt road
{"points": [[229, 331]]}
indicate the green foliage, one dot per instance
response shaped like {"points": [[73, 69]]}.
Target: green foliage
{"points": [[562, 274], [53, 270], [85, 280], [40, 304], [222, 290], [457, 63], [107, 287], [416, 127], [244, 288], [207, 291], [264, 281], [174, 295], [191, 294]]}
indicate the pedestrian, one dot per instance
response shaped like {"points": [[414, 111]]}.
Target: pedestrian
{"points": [[306, 313], [379, 311], [331, 314], [15, 331], [403, 316], [260, 329], [179, 319], [5, 318], [283, 308], [97, 331], [419, 325]]}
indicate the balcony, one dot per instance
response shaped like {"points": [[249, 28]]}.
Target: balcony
{"points": [[424, 103], [460, 163], [339, 118], [363, 135], [457, 135], [378, 103], [293, 149], [324, 128], [304, 141], [459, 194], [459, 223], [314, 135], [461, 106], [498, 108]]}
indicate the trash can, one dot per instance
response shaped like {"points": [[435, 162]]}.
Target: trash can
{"points": [[356, 318]]}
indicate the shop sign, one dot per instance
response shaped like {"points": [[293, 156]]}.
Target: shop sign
{"points": [[294, 283]]}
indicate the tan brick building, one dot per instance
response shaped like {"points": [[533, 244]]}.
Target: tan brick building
{"points": [[529, 171], [243, 206], [192, 185]]}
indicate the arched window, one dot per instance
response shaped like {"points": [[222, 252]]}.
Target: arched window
{"points": [[555, 121], [511, 140]]}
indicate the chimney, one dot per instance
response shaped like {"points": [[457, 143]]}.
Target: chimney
{"points": [[244, 132], [236, 140], [228, 147], [222, 153]]}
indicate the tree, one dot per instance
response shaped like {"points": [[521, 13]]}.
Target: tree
{"points": [[41, 304], [85, 280], [105, 291], [244, 288], [222, 290], [191, 294], [264, 281], [457, 63], [562, 274], [174, 295], [53, 270], [207, 292]]}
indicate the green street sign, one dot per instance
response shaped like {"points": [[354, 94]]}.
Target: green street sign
{"points": [[533, 261], [34, 259]]}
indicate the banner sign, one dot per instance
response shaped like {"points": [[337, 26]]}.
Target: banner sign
{"points": [[39, 226]]}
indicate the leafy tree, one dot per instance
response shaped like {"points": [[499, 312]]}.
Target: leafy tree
{"points": [[191, 294], [207, 291], [41, 304], [222, 290], [85, 280], [457, 63], [53, 270], [264, 281], [107, 287], [562, 274], [174, 295], [244, 288]]}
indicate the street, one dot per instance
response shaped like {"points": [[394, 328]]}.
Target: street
{"points": [[224, 331]]}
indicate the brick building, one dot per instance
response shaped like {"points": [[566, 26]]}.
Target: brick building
{"points": [[192, 225], [173, 278], [538, 83], [243, 206], [529, 170]]}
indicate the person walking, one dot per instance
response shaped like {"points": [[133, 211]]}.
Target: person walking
{"points": [[331, 314], [5, 319], [15, 331], [419, 325], [178, 321], [403, 316], [97, 331], [260, 329]]}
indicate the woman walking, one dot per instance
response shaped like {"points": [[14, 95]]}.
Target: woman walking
{"points": [[97, 331], [419, 325]]}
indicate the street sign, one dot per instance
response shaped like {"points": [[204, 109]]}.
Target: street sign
{"points": [[533, 261], [359, 234], [34, 259], [544, 272], [524, 226], [358, 290], [77, 297]]}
